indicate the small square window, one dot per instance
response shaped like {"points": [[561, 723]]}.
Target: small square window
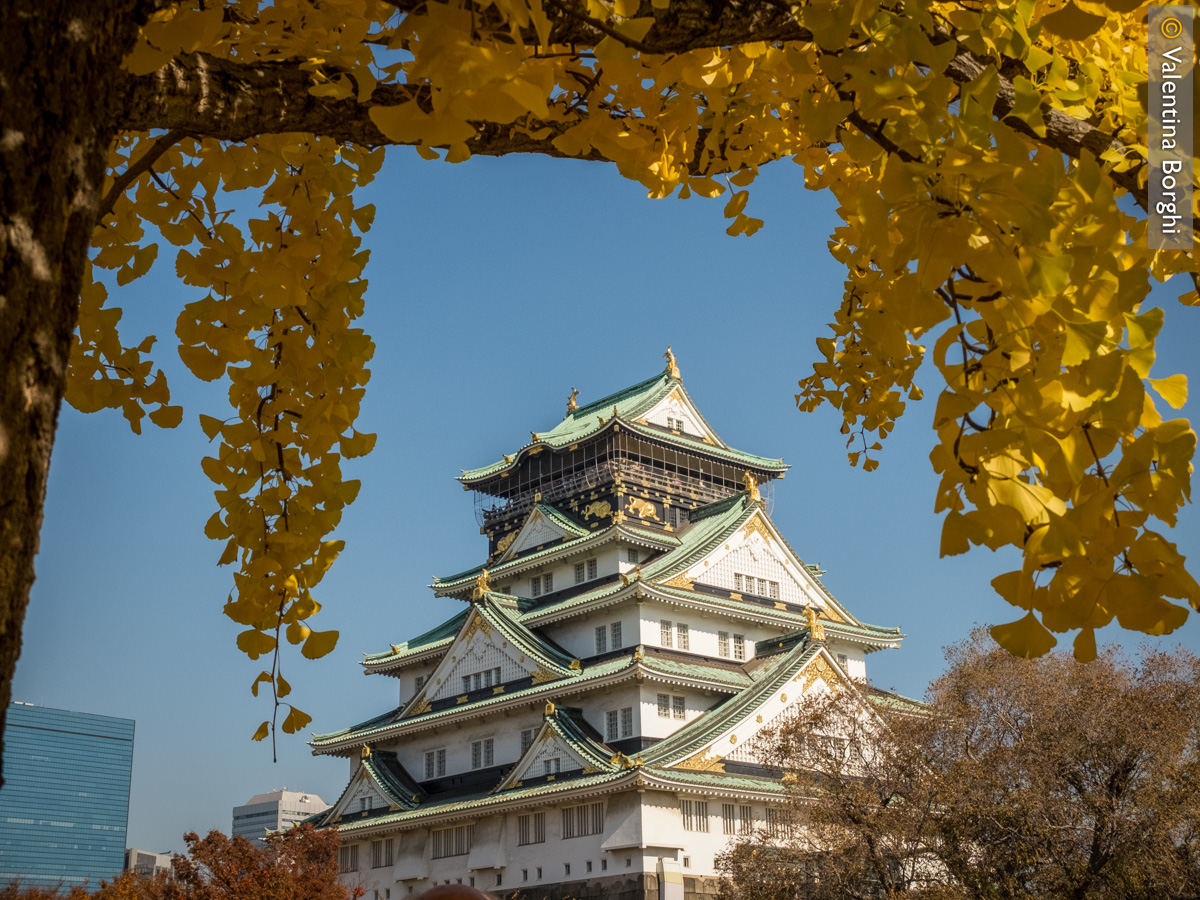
{"points": [[566, 868], [604, 865], [524, 874], [842, 660], [539, 873], [687, 862], [589, 865], [632, 555]]}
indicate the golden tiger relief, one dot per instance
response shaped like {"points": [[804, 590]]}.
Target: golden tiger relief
{"points": [[600, 509], [643, 508]]}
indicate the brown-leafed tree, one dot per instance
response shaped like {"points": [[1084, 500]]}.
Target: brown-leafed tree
{"points": [[1019, 779]]}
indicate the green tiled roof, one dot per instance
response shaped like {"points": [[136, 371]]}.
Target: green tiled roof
{"points": [[693, 736], [569, 726], [630, 403], [893, 701], [442, 634], [562, 520], [392, 779], [698, 669]]}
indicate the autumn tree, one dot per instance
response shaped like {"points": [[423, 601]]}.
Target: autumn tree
{"points": [[1041, 778], [978, 152]]}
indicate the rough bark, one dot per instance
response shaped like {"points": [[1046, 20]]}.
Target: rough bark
{"points": [[58, 88]]}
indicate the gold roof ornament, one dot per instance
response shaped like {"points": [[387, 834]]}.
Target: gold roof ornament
{"points": [[751, 487], [534, 437], [816, 630], [576, 665], [672, 367], [549, 708], [572, 403], [366, 752], [482, 585], [637, 654]]}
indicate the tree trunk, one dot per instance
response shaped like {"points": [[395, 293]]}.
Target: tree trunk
{"points": [[58, 74]]}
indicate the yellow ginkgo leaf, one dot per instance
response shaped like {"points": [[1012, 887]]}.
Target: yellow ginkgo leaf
{"points": [[1026, 637]]}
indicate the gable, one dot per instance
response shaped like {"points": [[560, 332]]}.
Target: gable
{"points": [[739, 739], [361, 787], [561, 747], [755, 560], [676, 412], [541, 527]]}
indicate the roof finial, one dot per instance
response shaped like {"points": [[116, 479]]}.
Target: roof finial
{"points": [[816, 630], [572, 405], [672, 368], [751, 487], [549, 710], [482, 585]]}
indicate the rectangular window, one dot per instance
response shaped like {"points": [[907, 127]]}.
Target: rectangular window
{"points": [[547, 583], [664, 706], [579, 821], [579, 578], [550, 766], [489, 752], [601, 638], [728, 818], [616, 636], [723, 643], [435, 764], [526, 739], [610, 725], [452, 841], [381, 853], [762, 587], [488, 675], [531, 829], [589, 865], [536, 582], [681, 636], [739, 646], [348, 858], [476, 681], [774, 822], [688, 807], [745, 819], [842, 660], [420, 683], [774, 595], [737, 582], [627, 722], [679, 707], [632, 554], [665, 632], [591, 569], [566, 868], [466, 683], [477, 754]]}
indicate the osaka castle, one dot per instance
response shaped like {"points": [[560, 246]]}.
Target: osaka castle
{"points": [[586, 725]]}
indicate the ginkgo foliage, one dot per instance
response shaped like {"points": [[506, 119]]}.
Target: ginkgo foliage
{"points": [[977, 150]]}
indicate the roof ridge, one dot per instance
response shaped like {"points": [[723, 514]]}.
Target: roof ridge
{"points": [[617, 396]]}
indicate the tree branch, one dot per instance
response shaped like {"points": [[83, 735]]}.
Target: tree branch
{"points": [[134, 169]]}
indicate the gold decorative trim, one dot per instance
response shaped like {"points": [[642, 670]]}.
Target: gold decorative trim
{"points": [[703, 762], [815, 629], [779, 605], [576, 665], [549, 708], [600, 509], [819, 669], [734, 595], [643, 509], [751, 487], [478, 623], [505, 542], [498, 690], [420, 709], [756, 524], [733, 739], [461, 699], [572, 401], [680, 581], [542, 675]]}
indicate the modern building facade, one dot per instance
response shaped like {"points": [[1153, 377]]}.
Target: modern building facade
{"points": [[587, 725], [273, 812], [145, 862], [64, 806]]}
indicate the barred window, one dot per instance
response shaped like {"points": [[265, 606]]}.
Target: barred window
{"points": [[665, 632], [679, 707], [466, 683], [762, 587], [681, 636], [483, 753], [745, 819], [722, 643], [616, 636], [632, 555], [526, 739], [381, 853], [452, 841], [536, 583], [695, 815], [739, 646], [664, 706], [547, 583], [531, 829], [420, 683], [348, 858], [627, 722], [591, 564], [842, 660], [774, 594], [728, 818], [579, 821], [551, 766], [601, 638], [737, 582], [579, 570], [610, 725], [435, 763]]}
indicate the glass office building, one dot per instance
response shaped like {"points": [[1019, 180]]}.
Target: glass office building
{"points": [[64, 805]]}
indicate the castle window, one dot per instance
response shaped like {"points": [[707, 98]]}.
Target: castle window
{"points": [[536, 584], [531, 829], [745, 819], [420, 684], [679, 707], [762, 587], [616, 636], [452, 841], [664, 706], [627, 722], [435, 763], [579, 570], [580, 821], [739, 646], [681, 636], [632, 554], [381, 853], [774, 594], [591, 567], [737, 582], [551, 766], [348, 858], [695, 815], [483, 753], [723, 643], [589, 865], [728, 818], [548, 582], [601, 638], [610, 725], [526, 739], [842, 660], [665, 632]]}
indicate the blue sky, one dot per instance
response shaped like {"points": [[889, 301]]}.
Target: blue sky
{"points": [[496, 287]]}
